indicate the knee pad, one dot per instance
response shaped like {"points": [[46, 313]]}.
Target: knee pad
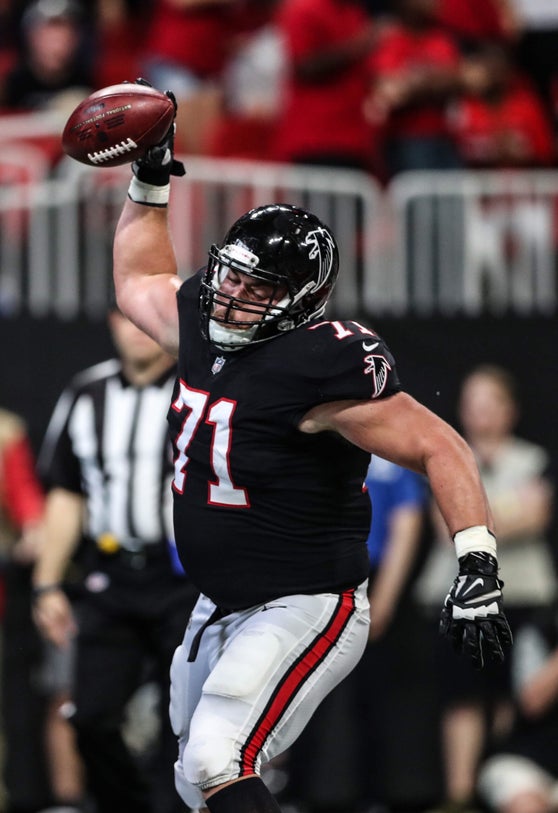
{"points": [[208, 760], [190, 795]]}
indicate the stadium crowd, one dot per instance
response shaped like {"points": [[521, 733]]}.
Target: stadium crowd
{"points": [[383, 86]]}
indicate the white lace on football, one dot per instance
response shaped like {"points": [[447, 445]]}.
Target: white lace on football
{"points": [[112, 152]]}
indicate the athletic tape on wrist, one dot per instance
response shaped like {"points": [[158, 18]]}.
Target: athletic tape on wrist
{"points": [[477, 538], [147, 194]]}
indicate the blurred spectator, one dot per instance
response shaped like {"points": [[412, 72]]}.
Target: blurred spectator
{"points": [[26, 764], [476, 706], [53, 72], [500, 121], [322, 120], [252, 81], [121, 28], [21, 496], [415, 71], [472, 22], [521, 776], [186, 50], [398, 505], [399, 499], [537, 48]]}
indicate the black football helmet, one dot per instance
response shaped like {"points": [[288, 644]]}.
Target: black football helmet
{"points": [[281, 245]]}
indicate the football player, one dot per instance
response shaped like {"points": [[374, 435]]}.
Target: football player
{"points": [[274, 415]]}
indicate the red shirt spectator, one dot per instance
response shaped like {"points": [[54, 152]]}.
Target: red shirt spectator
{"points": [[252, 83], [501, 121], [415, 70], [471, 21], [21, 497], [408, 67], [196, 38], [187, 49], [322, 119]]}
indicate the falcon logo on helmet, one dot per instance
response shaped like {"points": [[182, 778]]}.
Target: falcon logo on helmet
{"points": [[323, 248]]}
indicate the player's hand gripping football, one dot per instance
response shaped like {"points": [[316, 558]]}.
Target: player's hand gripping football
{"points": [[473, 616], [159, 163]]}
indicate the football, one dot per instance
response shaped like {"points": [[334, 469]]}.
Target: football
{"points": [[117, 124]]}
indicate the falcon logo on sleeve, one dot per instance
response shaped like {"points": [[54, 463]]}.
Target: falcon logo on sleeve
{"points": [[378, 367]]}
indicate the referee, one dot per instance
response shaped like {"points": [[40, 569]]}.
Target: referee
{"points": [[107, 465]]}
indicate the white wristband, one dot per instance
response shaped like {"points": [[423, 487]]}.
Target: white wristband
{"points": [[147, 194], [474, 539]]}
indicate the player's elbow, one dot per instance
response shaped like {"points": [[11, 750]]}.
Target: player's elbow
{"points": [[445, 446]]}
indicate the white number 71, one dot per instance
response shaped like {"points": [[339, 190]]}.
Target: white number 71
{"points": [[222, 490]]}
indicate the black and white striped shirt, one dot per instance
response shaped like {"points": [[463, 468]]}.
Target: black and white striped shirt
{"points": [[108, 440]]}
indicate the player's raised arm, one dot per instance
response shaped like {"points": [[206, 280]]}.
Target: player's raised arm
{"points": [[145, 271]]}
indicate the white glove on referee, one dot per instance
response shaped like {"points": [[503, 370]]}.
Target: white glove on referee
{"points": [[473, 616]]}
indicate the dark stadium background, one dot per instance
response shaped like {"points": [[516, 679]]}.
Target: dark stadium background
{"points": [[40, 355]]}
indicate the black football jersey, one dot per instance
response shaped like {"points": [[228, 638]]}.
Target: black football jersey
{"points": [[261, 509]]}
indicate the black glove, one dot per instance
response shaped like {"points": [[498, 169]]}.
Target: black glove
{"points": [[473, 617], [158, 163]]}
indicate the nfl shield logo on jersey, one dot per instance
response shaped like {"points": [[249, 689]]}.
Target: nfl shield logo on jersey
{"points": [[218, 364]]}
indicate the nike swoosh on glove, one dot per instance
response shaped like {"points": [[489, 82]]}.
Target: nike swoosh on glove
{"points": [[473, 616]]}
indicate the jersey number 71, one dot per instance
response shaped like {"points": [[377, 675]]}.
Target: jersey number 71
{"points": [[219, 414]]}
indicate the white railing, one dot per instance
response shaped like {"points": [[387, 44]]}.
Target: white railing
{"points": [[475, 242], [431, 243], [59, 260], [18, 127]]}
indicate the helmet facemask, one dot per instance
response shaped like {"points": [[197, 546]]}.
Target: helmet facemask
{"points": [[269, 247], [234, 321]]}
